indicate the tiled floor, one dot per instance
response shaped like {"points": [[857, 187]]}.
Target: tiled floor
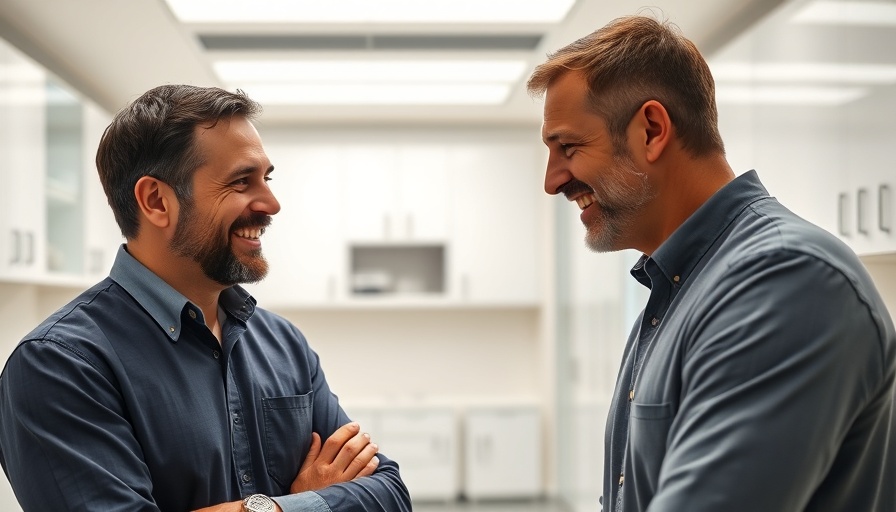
{"points": [[491, 506]]}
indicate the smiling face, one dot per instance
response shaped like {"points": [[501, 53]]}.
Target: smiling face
{"points": [[220, 226], [588, 167]]}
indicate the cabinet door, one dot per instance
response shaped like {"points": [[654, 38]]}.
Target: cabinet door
{"points": [[23, 158], [494, 241], [103, 237], [502, 453], [422, 185], [870, 191], [424, 443], [369, 195], [304, 245]]}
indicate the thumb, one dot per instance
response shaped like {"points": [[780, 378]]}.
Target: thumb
{"points": [[313, 451]]}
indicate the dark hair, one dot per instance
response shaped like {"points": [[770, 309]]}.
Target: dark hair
{"points": [[154, 136], [635, 59]]}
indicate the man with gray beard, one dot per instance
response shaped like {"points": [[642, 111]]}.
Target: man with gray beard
{"points": [[759, 376]]}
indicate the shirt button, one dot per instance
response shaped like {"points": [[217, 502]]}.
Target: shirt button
{"points": [[654, 321], [246, 477], [631, 395], [172, 329], [192, 314], [216, 354], [236, 419], [621, 478], [676, 278]]}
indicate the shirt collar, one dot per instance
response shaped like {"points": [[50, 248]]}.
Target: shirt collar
{"points": [[165, 304], [679, 254]]}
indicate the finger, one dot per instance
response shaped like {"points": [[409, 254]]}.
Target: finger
{"points": [[337, 440], [350, 450], [313, 452], [370, 468]]}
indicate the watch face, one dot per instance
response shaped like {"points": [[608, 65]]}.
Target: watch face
{"points": [[258, 503]]}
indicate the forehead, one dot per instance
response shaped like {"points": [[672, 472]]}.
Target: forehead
{"points": [[231, 141], [567, 105]]}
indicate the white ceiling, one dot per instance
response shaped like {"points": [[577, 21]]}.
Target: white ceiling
{"points": [[113, 50]]}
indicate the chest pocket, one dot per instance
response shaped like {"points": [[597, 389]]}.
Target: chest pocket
{"points": [[287, 435], [648, 437]]}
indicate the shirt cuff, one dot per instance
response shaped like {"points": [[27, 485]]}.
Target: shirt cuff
{"points": [[308, 501]]}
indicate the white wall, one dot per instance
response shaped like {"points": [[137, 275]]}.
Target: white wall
{"points": [[413, 355]]}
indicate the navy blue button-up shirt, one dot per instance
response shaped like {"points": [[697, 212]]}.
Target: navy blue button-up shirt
{"points": [[123, 400]]}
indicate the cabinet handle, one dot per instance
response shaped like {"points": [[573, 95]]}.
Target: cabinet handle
{"points": [[861, 205], [884, 208], [387, 227], [16, 246], [30, 237], [842, 212], [331, 287]]}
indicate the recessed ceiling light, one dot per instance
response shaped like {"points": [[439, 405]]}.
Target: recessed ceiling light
{"points": [[370, 11], [393, 71], [377, 94], [805, 72], [787, 95], [847, 13]]}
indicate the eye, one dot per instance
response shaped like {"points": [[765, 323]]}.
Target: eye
{"points": [[568, 149]]}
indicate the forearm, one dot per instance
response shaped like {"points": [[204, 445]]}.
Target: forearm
{"points": [[383, 491]]}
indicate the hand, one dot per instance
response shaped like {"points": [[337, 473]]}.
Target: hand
{"points": [[346, 455]]}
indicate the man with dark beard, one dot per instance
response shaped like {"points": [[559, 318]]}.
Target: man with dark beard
{"points": [[164, 387], [759, 376]]}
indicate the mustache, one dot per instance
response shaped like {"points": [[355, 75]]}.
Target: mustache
{"points": [[575, 187], [254, 220]]}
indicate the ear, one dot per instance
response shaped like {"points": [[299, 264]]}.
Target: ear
{"points": [[156, 201], [653, 129]]}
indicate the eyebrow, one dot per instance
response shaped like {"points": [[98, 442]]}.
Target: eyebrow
{"points": [[242, 171], [557, 135]]}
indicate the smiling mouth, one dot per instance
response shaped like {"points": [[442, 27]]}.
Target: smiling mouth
{"points": [[249, 233], [584, 201]]}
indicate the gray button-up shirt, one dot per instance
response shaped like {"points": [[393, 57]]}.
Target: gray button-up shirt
{"points": [[760, 374]]}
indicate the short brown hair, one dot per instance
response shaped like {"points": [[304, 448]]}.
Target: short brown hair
{"points": [[154, 136], [635, 59]]}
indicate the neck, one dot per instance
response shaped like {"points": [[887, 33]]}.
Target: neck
{"points": [[681, 190], [182, 274]]}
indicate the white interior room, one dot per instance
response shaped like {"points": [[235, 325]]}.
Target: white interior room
{"points": [[454, 305]]}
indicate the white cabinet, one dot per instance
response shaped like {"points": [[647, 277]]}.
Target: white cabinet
{"points": [[865, 200], [494, 241], [395, 192], [22, 163], [424, 443], [502, 453], [304, 245], [102, 234], [56, 227], [371, 221]]}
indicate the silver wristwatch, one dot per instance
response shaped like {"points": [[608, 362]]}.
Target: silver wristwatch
{"points": [[259, 503]]}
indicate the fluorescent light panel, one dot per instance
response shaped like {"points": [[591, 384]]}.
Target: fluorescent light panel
{"points": [[787, 95], [370, 11], [373, 82], [806, 72], [377, 94], [405, 71], [847, 13]]}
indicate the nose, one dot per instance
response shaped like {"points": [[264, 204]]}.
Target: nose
{"points": [[266, 202], [556, 174]]}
